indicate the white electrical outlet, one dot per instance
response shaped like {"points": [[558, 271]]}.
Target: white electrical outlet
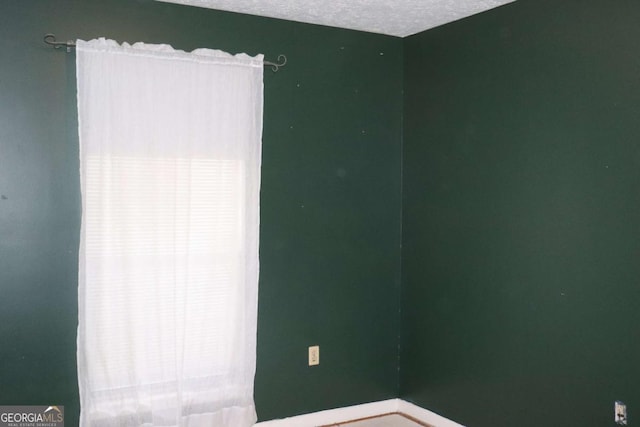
{"points": [[620, 412], [314, 355]]}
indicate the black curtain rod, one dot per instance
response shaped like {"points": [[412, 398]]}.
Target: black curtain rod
{"points": [[50, 39]]}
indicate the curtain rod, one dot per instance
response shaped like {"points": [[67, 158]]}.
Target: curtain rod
{"points": [[50, 39]]}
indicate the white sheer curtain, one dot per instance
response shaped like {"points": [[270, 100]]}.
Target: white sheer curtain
{"points": [[170, 148]]}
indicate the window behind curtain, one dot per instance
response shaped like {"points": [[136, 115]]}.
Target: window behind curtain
{"points": [[170, 157]]}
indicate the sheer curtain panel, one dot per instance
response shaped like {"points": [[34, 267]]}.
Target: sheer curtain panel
{"points": [[170, 148]]}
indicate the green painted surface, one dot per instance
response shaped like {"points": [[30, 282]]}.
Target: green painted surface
{"points": [[330, 200], [521, 179], [521, 215]]}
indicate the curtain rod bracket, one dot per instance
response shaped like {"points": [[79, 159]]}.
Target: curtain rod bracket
{"points": [[50, 39]]}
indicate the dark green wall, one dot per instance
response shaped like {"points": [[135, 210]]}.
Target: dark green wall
{"points": [[521, 199], [521, 215], [330, 201]]}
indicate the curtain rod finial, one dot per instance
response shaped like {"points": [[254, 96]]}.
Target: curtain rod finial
{"points": [[50, 39]]}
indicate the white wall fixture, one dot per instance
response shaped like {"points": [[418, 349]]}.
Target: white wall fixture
{"points": [[314, 355], [620, 413], [399, 18]]}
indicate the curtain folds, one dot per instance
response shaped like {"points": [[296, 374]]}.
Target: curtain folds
{"points": [[170, 150]]}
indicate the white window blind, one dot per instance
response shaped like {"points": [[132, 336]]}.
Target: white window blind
{"points": [[170, 158]]}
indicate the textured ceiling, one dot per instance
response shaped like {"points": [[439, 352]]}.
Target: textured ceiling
{"points": [[393, 17]]}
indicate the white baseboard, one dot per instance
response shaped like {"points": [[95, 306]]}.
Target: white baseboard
{"points": [[425, 415], [332, 416]]}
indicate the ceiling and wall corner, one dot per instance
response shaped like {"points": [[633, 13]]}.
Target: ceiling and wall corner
{"points": [[399, 18]]}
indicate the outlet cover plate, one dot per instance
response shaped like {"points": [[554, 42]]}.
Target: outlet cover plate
{"points": [[620, 413], [314, 355]]}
